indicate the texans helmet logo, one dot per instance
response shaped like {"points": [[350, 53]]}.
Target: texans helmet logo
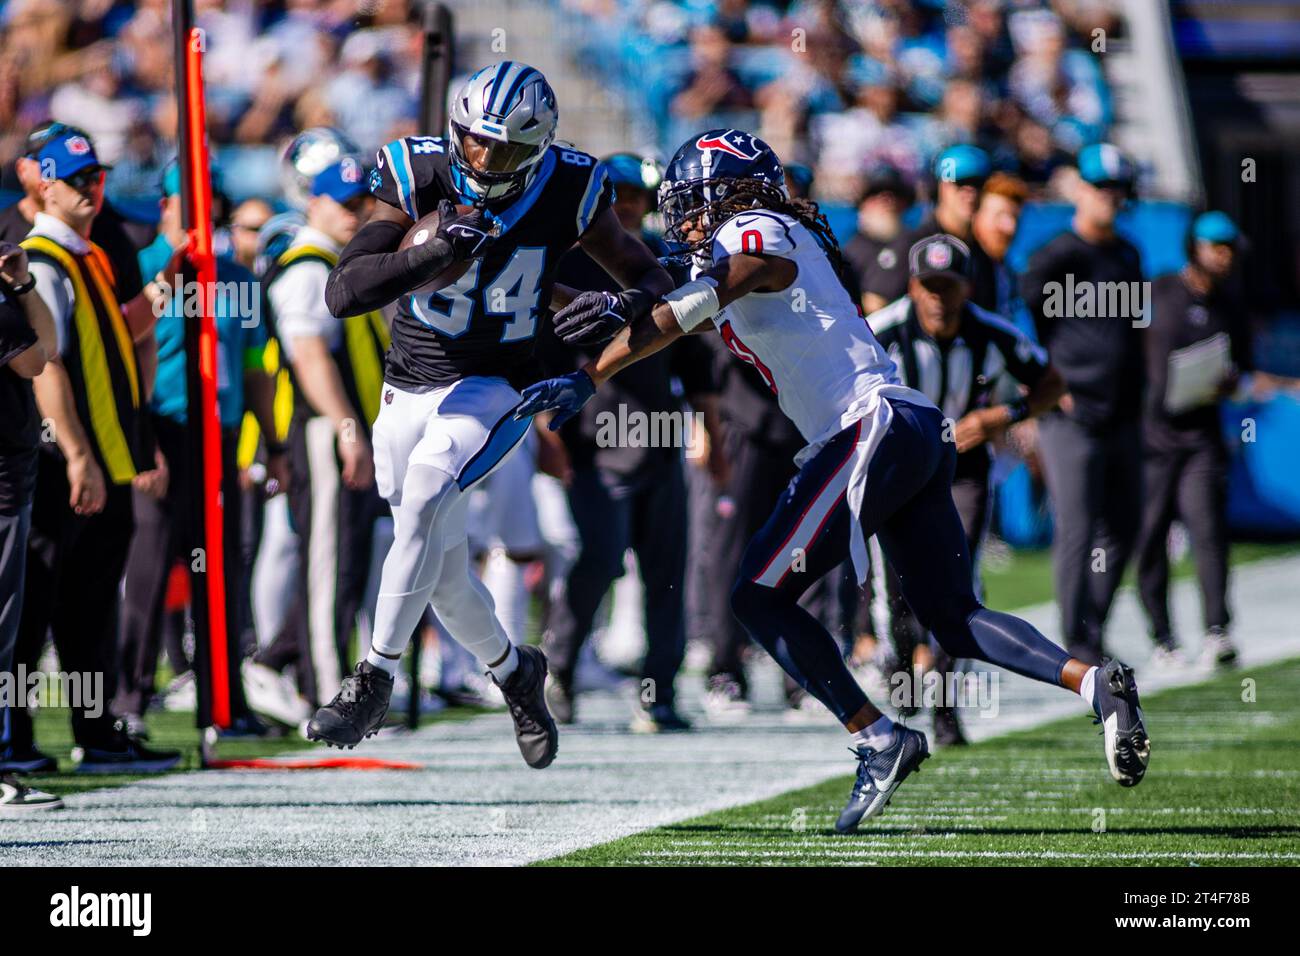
{"points": [[738, 144]]}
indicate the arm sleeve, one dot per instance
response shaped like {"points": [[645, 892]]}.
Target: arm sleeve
{"points": [[371, 272]]}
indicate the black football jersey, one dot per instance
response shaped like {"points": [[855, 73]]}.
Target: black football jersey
{"points": [[486, 322]]}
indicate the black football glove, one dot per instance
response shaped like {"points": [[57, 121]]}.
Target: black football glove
{"points": [[468, 235], [596, 317]]}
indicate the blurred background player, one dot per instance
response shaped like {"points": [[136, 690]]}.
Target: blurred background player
{"points": [[1091, 449]]}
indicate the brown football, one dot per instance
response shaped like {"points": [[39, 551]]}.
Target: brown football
{"points": [[422, 232]]}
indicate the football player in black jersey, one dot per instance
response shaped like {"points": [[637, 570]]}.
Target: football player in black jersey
{"points": [[446, 416]]}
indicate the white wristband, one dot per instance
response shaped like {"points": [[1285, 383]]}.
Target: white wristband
{"points": [[695, 302]]}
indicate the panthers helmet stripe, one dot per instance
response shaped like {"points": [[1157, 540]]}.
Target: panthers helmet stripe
{"points": [[596, 187], [520, 79], [490, 100], [399, 161]]}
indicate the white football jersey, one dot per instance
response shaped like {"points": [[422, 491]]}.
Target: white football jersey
{"points": [[808, 341]]}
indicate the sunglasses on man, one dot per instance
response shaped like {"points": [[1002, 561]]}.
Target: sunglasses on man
{"points": [[84, 179]]}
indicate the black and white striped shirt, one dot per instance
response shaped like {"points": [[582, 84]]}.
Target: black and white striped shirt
{"points": [[964, 373]]}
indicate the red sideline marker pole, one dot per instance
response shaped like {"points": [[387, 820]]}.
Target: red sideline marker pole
{"points": [[200, 254]]}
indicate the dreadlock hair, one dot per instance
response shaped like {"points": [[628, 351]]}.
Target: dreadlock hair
{"points": [[745, 194]]}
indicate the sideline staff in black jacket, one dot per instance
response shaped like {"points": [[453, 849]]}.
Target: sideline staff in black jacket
{"points": [[1185, 468], [1085, 292]]}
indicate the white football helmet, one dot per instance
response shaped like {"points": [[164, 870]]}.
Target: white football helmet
{"points": [[309, 153], [502, 122]]}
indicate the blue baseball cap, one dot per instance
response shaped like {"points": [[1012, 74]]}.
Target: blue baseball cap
{"points": [[962, 164], [1102, 164], [66, 154], [341, 181], [1215, 226]]}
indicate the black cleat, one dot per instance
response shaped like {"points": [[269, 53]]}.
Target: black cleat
{"points": [[357, 710], [1115, 699], [880, 772], [525, 694]]}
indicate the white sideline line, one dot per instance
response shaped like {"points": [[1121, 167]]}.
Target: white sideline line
{"points": [[475, 803]]}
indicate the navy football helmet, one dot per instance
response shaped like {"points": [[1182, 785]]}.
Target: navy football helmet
{"points": [[707, 171]]}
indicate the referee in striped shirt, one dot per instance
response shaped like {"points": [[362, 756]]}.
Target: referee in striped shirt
{"points": [[961, 357]]}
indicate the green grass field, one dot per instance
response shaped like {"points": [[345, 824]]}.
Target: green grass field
{"points": [[1222, 789]]}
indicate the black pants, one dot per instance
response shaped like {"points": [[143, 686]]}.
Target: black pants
{"points": [[164, 533], [971, 496], [759, 474], [74, 569], [1094, 476], [14, 529], [344, 584], [646, 513], [1191, 484], [909, 507]]}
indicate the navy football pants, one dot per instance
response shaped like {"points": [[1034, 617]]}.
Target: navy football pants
{"points": [[908, 503]]}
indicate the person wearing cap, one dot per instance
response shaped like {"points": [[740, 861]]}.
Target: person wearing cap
{"points": [[886, 195], [27, 340], [959, 355], [959, 174], [1091, 448], [626, 495], [336, 367], [107, 231], [163, 530], [92, 393], [1185, 467]]}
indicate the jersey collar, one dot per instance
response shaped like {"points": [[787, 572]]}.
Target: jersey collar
{"points": [[519, 208]]}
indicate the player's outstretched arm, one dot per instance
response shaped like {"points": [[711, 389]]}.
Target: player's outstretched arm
{"points": [[371, 272], [682, 311]]}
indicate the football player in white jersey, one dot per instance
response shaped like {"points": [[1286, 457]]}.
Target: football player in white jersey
{"points": [[878, 461]]}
